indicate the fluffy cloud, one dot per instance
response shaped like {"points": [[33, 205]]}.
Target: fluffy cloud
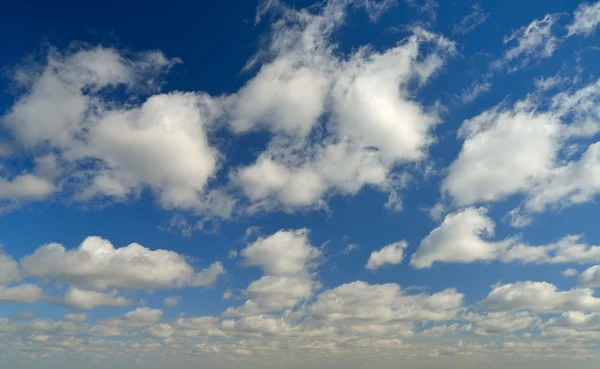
{"points": [[365, 135], [390, 254], [140, 317], [538, 296], [25, 293], [97, 264], [569, 272], [464, 237], [501, 323], [590, 277], [85, 299], [586, 19], [26, 187], [485, 172], [9, 269], [460, 238], [161, 144], [284, 253], [361, 303]]}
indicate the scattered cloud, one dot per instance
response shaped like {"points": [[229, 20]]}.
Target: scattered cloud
{"points": [[586, 19], [470, 21], [391, 254]]}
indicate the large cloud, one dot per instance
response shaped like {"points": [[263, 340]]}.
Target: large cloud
{"points": [[538, 296], [358, 106], [464, 237], [97, 264], [119, 148]]}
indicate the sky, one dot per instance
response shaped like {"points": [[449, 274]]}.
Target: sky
{"points": [[267, 184]]}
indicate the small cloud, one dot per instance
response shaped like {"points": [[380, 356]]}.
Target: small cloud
{"points": [[471, 21], [569, 272], [171, 300], [22, 315]]}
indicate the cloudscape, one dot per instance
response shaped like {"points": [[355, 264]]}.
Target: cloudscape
{"points": [[272, 183]]}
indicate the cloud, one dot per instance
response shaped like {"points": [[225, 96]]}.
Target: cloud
{"points": [[171, 300], [361, 303], [284, 253], [590, 277], [390, 254], [75, 317], [274, 293], [463, 237], [9, 269], [26, 187], [470, 21], [86, 300], [297, 171], [140, 317], [502, 323], [542, 174], [160, 144], [534, 42], [460, 238], [586, 19], [538, 296], [24, 293], [569, 272], [97, 264]]}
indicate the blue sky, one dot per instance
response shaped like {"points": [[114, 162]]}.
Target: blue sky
{"points": [[339, 184]]}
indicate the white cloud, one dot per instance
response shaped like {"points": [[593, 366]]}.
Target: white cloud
{"points": [[485, 171], [85, 299], [586, 19], [171, 300], [538, 296], [284, 253], [535, 41], [569, 272], [25, 293], [161, 144], [390, 254], [534, 167], [460, 238], [464, 237], [360, 303], [140, 317], [590, 277], [97, 264], [501, 323], [26, 187], [364, 136], [9, 269]]}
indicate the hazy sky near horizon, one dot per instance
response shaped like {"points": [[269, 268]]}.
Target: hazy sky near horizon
{"points": [[340, 184]]}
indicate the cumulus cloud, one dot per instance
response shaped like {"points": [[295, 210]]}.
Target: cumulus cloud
{"points": [[464, 237], [390, 254], [161, 144], [86, 299], [284, 253], [569, 272], [24, 293], [365, 135], [502, 322], [586, 19], [485, 172], [9, 269], [540, 297], [140, 317], [362, 303], [460, 238], [97, 264], [590, 277]]}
